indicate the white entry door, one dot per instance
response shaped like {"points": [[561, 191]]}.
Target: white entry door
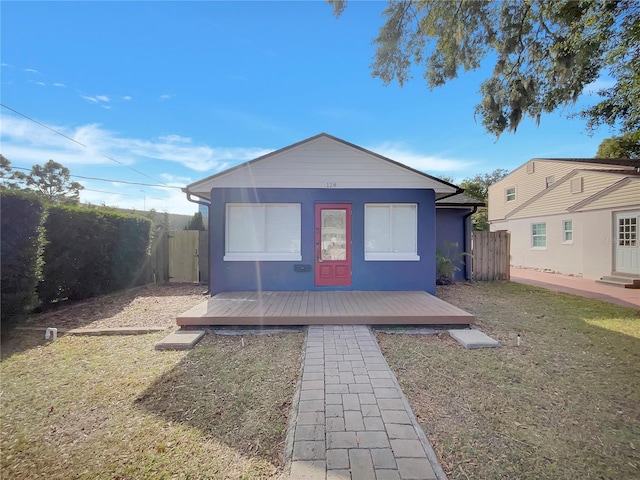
{"points": [[628, 242]]}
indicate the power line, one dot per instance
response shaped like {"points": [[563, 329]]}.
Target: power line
{"points": [[43, 125], [122, 194], [82, 144], [107, 180]]}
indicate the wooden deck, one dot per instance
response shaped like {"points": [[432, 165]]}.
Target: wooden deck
{"points": [[319, 308]]}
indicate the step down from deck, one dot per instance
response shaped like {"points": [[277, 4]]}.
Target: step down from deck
{"points": [[473, 338], [180, 340], [620, 281]]}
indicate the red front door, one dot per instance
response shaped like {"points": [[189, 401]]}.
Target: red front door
{"points": [[333, 244]]}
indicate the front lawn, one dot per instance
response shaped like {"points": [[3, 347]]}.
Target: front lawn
{"points": [[563, 405], [114, 408]]}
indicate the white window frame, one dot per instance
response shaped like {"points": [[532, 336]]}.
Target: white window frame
{"points": [[262, 229], [507, 194], [565, 230], [538, 235], [391, 255]]}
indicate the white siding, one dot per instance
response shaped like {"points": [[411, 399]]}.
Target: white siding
{"points": [[321, 163], [626, 196], [559, 198], [530, 184]]}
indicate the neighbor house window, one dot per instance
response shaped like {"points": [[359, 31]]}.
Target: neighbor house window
{"points": [[567, 231], [539, 235], [510, 194], [262, 231], [391, 231], [549, 181]]}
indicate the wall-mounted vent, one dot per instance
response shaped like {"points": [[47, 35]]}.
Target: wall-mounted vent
{"points": [[576, 185]]}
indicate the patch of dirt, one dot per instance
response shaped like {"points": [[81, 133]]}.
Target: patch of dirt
{"points": [[148, 306]]}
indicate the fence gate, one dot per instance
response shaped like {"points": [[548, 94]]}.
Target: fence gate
{"points": [[183, 256], [491, 255]]}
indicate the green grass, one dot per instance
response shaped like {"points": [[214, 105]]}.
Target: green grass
{"points": [[113, 407], [565, 404]]}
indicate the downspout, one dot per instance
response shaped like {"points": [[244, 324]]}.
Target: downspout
{"points": [[468, 259], [206, 203]]}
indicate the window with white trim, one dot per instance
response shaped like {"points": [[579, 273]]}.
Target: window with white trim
{"points": [[510, 194], [391, 231], [262, 231], [539, 235], [567, 231]]}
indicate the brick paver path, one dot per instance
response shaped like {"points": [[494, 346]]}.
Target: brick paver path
{"points": [[353, 421]]}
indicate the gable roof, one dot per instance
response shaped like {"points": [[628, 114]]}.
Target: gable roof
{"points": [[610, 189], [459, 200], [322, 161], [622, 162], [623, 174]]}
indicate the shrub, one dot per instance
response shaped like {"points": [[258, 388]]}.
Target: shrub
{"points": [[21, 242], [91, 252]]}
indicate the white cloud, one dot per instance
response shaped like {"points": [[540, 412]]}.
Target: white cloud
{"points": [[89, 99], [58, 84], [42, 84], [5, 65], [26, 141], [31, 70], [419, 161], [127, 98], [165, 97], [96, 98]]}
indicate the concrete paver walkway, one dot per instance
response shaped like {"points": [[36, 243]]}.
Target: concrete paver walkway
{"points": [[352, 420]]}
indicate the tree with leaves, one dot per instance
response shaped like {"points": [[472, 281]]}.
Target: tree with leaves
{"points": [[625, 146], [478, 187], [9, 178], [544, 54], [53, 181], [196, 222]]}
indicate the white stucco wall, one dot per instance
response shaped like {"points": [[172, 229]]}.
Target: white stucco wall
{"points": [[589, 256]]}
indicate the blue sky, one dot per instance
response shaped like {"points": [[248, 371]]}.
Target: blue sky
{"points": [[171, 92]]}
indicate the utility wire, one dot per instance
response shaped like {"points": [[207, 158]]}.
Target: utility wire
{"points": [[43, 125], [121, 194], [82, 144], [107, 180]]}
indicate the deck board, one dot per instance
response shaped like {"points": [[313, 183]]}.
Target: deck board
{"points": [[325, 307]]}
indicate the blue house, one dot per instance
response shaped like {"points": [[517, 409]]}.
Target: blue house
{"points": [[325, 214]]}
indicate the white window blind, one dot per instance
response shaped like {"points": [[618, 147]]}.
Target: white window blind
{"points": [[391, 231], [268, 231]]}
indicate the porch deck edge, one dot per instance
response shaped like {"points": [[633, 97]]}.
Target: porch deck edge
{"points": [[185, 321], [434, 311]]}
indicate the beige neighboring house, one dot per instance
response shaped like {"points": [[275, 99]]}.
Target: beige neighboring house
{"points": [[575, 216]]}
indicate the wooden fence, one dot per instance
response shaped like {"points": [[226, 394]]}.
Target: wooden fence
{"points": [[491, 255], [178, 256]]}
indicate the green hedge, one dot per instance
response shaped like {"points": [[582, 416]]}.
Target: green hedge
{"points": [[21, 242], [91, 252]]}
